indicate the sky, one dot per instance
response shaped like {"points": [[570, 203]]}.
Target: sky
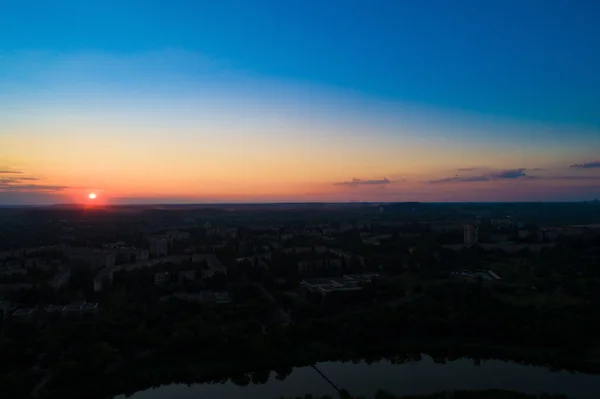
{"points": [[297, 101]]}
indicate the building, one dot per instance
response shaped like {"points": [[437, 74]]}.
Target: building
{"points": [[106, 274], [25, 313], [319, 249], [362, 277], [23, 252], [5, 288], [347, 256], [213, 263], [471, 234], [162, 278], [319, 266], [524, 234], [467, 276], [374, 240], [186, 275], [508, 247], [12, 270], [229, 232], [207, 296], [502, 223], [444, 227], [95, 258], [61, 278], [178, 236], [130, 254], [158, 246], [329, 285], [73, 309], [5, 308]]}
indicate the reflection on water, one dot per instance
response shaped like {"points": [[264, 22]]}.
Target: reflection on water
{"points": [[420, 377]]}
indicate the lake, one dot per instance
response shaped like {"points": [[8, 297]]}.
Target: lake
{"points": [[420, 377]]}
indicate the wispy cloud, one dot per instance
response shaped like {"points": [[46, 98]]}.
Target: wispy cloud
{"points": [[500, 175], [31, 187], [575, 178], [13, 181], [359, 182], [460, 179], [508, 174], [586, 165], [16, 180]]}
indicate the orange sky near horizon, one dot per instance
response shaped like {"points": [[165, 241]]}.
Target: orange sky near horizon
{"points": [[250, 139]]}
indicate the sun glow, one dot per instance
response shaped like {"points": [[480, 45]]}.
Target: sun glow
{"points": [[92, 196]]}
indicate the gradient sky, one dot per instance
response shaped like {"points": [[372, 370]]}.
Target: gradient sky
{"points": [[265, 101]]}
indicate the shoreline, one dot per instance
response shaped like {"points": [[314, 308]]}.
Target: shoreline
{"points": [[165, 369]]}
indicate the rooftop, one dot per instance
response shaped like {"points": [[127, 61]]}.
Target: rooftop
{"points": [[220, 297], [362, 277], [24, 312], [321, 282], [349, 282], [485, 275], [348, 286]]}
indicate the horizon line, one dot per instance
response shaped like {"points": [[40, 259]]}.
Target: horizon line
{"points": [[99, 206]]}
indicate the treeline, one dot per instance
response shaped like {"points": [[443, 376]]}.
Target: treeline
{"points": [[189, 343]]}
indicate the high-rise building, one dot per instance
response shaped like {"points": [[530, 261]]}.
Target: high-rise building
{"points": [[471, 234], [158, 246]]}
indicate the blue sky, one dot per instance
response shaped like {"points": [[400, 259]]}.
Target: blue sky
{"points": [[475, 75], [525, 59]]}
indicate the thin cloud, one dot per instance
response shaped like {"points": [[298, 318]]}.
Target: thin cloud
{"points": [[501, 175], [31, 187], [13, 181], [359, 182], [508, 174], [576, 178], [460, 179], [16, 180], [586, 165]]}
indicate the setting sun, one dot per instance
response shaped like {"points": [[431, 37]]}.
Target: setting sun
{"points": [[92, 196]]}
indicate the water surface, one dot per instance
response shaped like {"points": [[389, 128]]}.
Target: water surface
{"points": [[421, 377]]}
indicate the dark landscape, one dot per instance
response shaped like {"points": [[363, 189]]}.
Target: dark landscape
{"points": [[127, 298]]}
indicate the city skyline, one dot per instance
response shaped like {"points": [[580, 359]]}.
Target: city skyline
{"points": [[299, 102]]}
